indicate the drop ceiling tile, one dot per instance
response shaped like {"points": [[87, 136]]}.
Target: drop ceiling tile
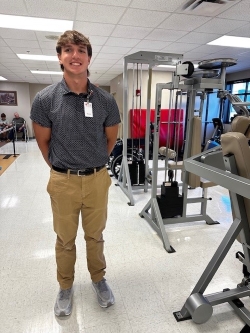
{"points": [[166, 35], [22, 43], [48, 52], [98, 40], [152, 45], [143, 18], [17, 34], [222, 25], [2, 43], [64, 9], [48, 45], [126, 42], [99, 13], [96, 49], [160, 5], [183, 22], [240, 11], [243, 31], [198, 37], [13, 7], [103, 61], [134, 32], [117, 50], [230, 52], [180, 47], [93, 29], [53, 67], [122, 3], [23, 50], [209, 48], [5, 49], [100, 67]]}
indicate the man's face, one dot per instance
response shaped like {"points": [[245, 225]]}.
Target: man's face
{"points": [[16, 115], [74, 58]]}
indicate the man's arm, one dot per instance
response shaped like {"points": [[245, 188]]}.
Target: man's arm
{"points": [[111, 134], [43, 136]]}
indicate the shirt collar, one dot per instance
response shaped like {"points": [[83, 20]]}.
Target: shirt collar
{"points": [[65, 89]]}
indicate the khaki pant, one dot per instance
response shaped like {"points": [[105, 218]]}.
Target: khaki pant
{"points": [[71, 195]]}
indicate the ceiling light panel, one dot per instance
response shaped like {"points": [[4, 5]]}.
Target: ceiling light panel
{"points": [[232, 41], [37, 57], [47, 72], [34, 23]]}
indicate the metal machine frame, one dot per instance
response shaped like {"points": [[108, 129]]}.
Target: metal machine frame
{"points": [[154, 218], [151, 59], [199, 306]]}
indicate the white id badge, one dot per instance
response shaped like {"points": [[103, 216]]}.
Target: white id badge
{"points": [[88, 109]]}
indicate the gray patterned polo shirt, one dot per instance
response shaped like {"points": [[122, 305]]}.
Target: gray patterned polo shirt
{"points": [[77, 142]]}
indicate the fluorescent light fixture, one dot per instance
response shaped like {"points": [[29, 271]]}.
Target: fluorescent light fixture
{"points": [[231, 41], [2, 78], [171, 66], [34, 23], [37, 57], [47, 72], [167, 66]]}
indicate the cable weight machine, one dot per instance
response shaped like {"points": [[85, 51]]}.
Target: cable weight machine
{"points": [[133, 171], [159, 209]]}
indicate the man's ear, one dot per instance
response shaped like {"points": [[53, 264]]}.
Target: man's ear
{"points": [[59, 57]]}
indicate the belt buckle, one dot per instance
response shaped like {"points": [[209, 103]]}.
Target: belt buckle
{"points": [[78, 172]]}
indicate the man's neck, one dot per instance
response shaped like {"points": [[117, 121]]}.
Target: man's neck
{"points": [[77, 85]]}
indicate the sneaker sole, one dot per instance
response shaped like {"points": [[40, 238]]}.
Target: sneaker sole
{"points": [[61, 313], [100, 302]]}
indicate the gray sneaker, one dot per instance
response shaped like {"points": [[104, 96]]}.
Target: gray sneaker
{"points": [[63, 306], [104, 293]]}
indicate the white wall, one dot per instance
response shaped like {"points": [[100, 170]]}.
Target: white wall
{"points": [[238, 76]]}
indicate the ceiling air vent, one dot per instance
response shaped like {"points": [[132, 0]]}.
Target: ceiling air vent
{"points": [[209, 4]]}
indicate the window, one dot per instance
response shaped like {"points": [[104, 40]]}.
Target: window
{"points": [[241, 89]]}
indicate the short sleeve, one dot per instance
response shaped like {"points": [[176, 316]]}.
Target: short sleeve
{"points": [[113, 117], [39, 112]]}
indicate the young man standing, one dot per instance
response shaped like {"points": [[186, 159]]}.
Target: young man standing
{"points": [[76, 125]]}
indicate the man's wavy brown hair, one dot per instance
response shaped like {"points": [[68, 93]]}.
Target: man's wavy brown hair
{"points": [[74, 37]]}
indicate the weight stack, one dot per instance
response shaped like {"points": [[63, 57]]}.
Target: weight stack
{"points": [[137, 172], [170, 202]]}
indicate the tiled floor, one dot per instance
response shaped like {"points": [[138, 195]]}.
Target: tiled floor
{"points": [[149, 284]]}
